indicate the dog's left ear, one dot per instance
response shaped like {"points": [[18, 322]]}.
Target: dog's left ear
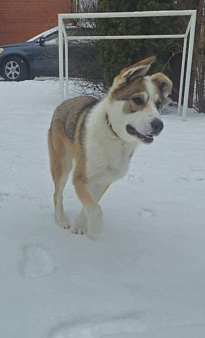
{"points": [[163, 82], [137, 70]]}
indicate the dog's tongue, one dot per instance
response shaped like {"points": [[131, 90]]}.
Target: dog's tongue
{"points": [[140, 135], [147, 138]]}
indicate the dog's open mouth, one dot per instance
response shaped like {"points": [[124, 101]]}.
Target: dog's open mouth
{"points": [[144, 138]]}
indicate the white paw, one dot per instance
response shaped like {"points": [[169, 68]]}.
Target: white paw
{"points": [[95, 225], [79, 229], [94, 230], [62, 221]]}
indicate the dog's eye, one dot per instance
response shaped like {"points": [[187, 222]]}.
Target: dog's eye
{"points": [[138, 100], [158, 105]]}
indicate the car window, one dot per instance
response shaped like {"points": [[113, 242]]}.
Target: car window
{"points": [[52, 38]]}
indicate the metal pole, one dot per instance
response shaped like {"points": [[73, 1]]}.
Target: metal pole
{"points": [[121, 37], [60, 46], [189, 63], [183, 67], [190, 27], [66, 61], [144, 14], [182, 75]]}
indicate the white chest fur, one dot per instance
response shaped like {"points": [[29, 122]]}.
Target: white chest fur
{"points": [[107, 156]]}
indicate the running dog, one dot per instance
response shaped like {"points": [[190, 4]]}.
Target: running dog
{"points": [[101, 137]]}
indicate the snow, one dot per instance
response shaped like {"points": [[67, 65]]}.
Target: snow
{"points": [[144, 277]]}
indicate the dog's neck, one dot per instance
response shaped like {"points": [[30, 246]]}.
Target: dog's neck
{"points": [[110, 125]]}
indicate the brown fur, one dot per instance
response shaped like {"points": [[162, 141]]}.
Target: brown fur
{"points": [[65, 138], [145, 62], [68, 113], [127, 75], [126, 91], [59, 145], [163, 83]]}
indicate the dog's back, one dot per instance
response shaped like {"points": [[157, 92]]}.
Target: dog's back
{"points": [[70, 113]]}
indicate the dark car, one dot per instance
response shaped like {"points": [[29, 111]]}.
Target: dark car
{"points": [[39, 57]]}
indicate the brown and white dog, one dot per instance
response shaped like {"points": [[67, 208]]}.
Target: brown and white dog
{"points": [[101, 137]]}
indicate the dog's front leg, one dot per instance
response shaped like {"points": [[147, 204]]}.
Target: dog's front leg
{"points": [[97, 191], [80, 223], [91, 210], [91, 207]]}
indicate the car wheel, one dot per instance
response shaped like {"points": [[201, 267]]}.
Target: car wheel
{"points": [[15, 68]]}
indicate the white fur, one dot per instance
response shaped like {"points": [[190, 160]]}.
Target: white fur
{"points": [[108, 156], [60, 216], [141, 120]]}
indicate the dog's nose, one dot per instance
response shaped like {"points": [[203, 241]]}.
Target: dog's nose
{"points": [[157, 126]]}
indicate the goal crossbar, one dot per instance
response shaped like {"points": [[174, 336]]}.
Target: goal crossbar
{"points": [[190, 32]]}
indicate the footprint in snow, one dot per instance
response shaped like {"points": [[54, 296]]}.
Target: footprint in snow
{"points": [[132, 179], [3, 196], [98, 330], [182, 179], [36, 261], [186, 179], [146, 213], [200, 179]]}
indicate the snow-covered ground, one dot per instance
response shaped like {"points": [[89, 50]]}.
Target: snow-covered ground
{"points": [[144, 278]]}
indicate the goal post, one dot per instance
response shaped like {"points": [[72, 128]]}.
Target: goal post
{"points": [[189, 33]]}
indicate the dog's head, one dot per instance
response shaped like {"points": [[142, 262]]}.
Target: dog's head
{"points": [[135, 102]]}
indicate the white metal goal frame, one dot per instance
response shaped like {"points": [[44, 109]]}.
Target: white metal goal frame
{"points": [[188, 34]]}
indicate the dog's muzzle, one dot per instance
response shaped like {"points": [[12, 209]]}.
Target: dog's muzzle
{"points": [[157, 126]]}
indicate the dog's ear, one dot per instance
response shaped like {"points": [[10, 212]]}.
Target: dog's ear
{"points": [[163, 82], [137, 70]]}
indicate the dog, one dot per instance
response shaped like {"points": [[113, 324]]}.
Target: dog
{"points": [[101, 136]]}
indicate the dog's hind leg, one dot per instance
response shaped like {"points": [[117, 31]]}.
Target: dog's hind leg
{"points": [[61, 164]]}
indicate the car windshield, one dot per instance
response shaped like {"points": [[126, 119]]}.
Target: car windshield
{"points": [[45, 34], [51, 37]]}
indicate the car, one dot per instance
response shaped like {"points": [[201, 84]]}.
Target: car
{"points": [[35, 57], [39, 57]]}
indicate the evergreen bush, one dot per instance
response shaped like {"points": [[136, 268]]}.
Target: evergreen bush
{"points": [[116, 54]]}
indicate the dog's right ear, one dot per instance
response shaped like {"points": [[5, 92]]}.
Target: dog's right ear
{"points": [[137, 70]]}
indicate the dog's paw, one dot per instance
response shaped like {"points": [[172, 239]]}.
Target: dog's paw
{"points": [[79, 229], [80, 224], [94, 230], [62, 221], [95, 225]]}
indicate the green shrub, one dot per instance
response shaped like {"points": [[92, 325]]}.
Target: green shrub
{"points": [[114, 55]]}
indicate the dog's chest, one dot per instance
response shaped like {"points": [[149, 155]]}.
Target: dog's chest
{"points": [[109, 162]]}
